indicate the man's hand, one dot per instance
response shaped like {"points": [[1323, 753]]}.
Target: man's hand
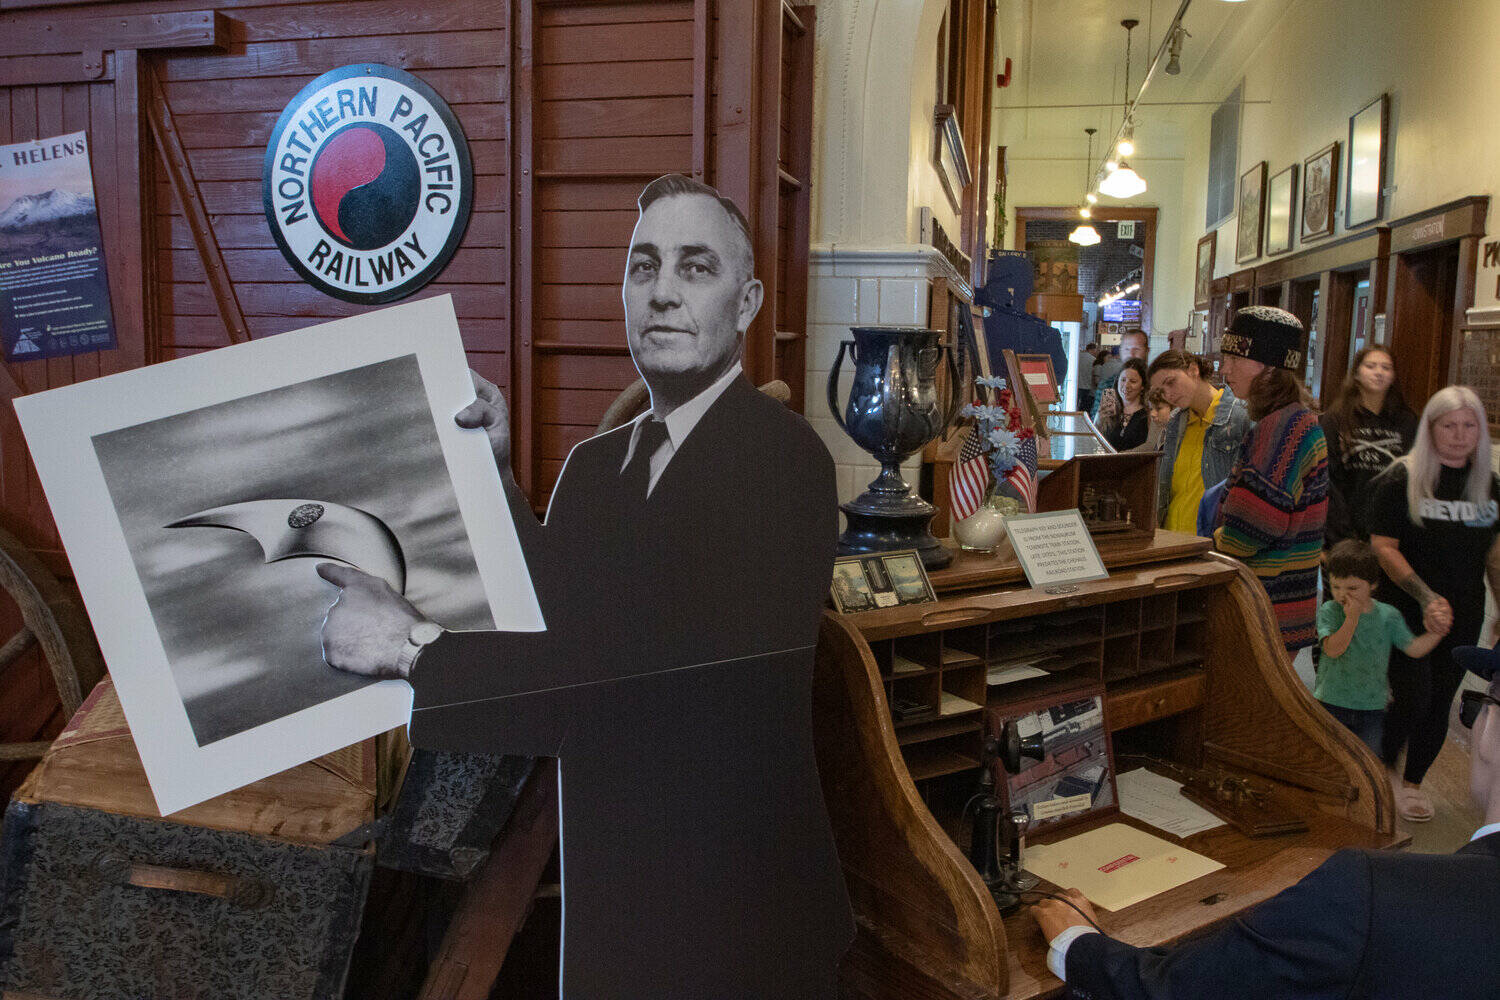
{"points": [[1054, 916], [367, 626], [1437, 616], [488, 412]]}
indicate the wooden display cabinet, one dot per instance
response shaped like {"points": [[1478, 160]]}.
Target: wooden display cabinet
{"points": [[1130, 475], [1185, 645]]}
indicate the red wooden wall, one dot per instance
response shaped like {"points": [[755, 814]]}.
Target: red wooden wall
{"points": [[569, 107]]}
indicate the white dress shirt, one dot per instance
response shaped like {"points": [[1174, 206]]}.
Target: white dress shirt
{"points": [[680, 423]]}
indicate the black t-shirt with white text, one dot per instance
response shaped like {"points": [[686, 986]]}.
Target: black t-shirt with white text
{"points": [[1357, 455], [1448, 551]]}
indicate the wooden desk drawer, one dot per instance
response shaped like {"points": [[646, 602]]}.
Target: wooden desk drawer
{"points": [[1146, 703]]}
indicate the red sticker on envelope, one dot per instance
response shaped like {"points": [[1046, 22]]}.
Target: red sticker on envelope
{"points": [[1118, 863]]}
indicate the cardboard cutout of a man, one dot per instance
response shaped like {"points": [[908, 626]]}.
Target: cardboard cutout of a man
{"points": [[681, 570]]}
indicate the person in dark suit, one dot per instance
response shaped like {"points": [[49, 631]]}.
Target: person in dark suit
{"points": [[681, 570], [1366, 925]]}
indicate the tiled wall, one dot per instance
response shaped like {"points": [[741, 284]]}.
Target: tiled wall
{"points": [[860, 288]]}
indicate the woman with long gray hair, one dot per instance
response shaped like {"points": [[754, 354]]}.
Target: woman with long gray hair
{"points": [[1434, 521]]}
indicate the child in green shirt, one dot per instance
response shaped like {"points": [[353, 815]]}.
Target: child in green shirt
{"points": [[1357, 633]]}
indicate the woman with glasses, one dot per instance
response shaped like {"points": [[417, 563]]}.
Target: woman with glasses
{"points": [[1434, 520]]}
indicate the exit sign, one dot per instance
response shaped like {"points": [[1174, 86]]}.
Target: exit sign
{"points": [[1125, 230]]}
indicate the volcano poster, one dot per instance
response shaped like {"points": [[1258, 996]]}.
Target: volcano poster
{"points": [[54, 292]]}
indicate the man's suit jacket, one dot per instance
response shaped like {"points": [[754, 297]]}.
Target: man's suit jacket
{"points": [[1367, 925], [674, 682]]}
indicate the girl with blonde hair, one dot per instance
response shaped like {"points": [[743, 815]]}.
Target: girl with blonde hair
{"points": [[1434, 520]]}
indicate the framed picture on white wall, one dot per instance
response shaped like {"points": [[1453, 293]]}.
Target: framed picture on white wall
{"points": [[1252, 213], [1320, 191], [1281, 196], [1365, 200]]}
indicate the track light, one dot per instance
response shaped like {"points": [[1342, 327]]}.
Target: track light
{"points": [[1126, 145], [1174, 50], [1085, 212], [1110, 166], [1091, 198]]}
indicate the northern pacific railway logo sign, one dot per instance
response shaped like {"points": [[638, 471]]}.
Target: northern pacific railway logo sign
{"points": [[367, 183]]}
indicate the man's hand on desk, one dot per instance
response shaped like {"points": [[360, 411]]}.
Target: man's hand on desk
{"points": [[488, 413], [368, 627], [1054, 916]]}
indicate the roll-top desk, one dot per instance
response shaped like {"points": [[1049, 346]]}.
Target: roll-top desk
{"points": [[1183, 642]]}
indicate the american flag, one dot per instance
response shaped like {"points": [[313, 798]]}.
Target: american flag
{"points": [[1023, 475], [970, 476]]}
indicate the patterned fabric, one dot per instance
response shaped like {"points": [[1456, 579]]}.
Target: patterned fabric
{"points": [[1272, 517]]}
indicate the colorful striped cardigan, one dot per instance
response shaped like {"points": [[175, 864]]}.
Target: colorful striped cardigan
{"points": [[1272, 515]]}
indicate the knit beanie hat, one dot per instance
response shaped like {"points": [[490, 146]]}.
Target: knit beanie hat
{"points": [[1266, 334]]}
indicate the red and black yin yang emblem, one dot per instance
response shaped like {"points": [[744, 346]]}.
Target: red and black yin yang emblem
{"points": [[367, 183]]}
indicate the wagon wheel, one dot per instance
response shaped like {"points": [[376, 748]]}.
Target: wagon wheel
{"points": [[53, 622]]}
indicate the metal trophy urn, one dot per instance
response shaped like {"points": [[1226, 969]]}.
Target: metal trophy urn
{"points": [[893, 411]]}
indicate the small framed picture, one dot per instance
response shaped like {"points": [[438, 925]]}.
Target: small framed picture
{"points": [[1075, 779], [880, 580], [1252, 213], [1281, 195], [1320, 188], [1203, 272], [1039, 379]]}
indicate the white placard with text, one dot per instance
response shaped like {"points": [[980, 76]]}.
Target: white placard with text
{"points": [[1055, 548]]}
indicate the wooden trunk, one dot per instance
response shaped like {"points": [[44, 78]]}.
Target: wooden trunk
{"points": [[1187, 649], [244, 896]]}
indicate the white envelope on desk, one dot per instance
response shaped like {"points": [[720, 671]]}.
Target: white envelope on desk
{"points": [[1116, 866]]}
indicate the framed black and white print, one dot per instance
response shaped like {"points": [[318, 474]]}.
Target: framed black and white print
{"points": [[334, 443]]}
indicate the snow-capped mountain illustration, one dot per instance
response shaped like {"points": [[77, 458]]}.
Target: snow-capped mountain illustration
{"points": [[48, 206]]}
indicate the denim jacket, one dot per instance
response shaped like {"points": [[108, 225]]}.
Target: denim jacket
{"points": [[1221, 447]]}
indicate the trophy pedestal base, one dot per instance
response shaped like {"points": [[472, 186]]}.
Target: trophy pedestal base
{"points": [[871, 531]]}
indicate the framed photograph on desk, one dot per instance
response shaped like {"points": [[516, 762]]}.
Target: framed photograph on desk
{"points": [[1075, 779], [880, 580]]}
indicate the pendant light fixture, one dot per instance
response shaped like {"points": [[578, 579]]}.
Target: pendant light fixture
{"points": [[1120, 180], [1086, 235]]}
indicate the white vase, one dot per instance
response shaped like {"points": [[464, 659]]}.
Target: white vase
{"points": [[982, 530]]}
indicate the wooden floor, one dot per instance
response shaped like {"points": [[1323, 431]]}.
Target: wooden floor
{"points": [[1447, 784]]}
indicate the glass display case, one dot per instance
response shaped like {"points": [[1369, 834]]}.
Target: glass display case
{"points": [[1071, 433]]}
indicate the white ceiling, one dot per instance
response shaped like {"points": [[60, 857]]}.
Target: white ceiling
{"points": [[1072, 52]]}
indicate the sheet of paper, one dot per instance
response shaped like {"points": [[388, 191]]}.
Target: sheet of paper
{"points": [[1158, 800], [1116, 866], [1005, 675]]}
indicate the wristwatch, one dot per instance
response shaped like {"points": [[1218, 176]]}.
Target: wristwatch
{"points": [[418, 638]]}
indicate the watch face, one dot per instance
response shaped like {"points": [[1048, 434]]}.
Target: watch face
{"points": [[424, 632]]}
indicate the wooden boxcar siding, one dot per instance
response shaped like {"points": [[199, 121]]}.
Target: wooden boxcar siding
{"points": [[612, 107], [28, 700], [225, 106]]}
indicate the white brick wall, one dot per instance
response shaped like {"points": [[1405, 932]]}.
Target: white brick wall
{"points": [[864, 287]]}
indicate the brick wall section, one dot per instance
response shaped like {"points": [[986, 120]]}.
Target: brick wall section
{"points": [[1099, 266]]}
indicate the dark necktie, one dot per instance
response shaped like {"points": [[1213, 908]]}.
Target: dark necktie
{"points": [[636, 478]]}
